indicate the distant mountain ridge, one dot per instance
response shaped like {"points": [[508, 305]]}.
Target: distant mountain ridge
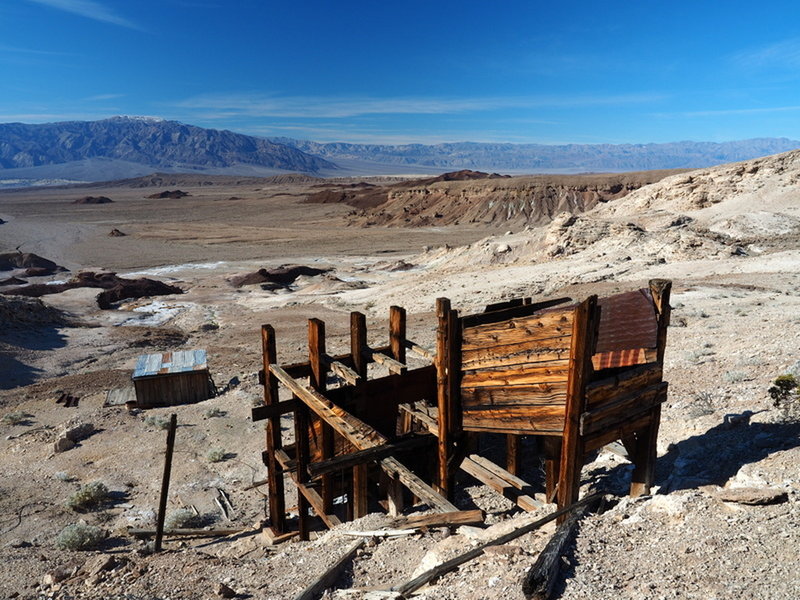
{"points": [[151, 142], [541, 158], [124, 147]]}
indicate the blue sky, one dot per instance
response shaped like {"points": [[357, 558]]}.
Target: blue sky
{"points": [[398, 72]]}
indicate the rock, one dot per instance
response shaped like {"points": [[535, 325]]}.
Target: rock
{"points": [[63, 444], [224, 591], [753, 496], [76, 430], [57, 575], [104, 562], [502, 249]]}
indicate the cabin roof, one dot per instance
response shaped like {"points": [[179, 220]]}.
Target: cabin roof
{"points": [[170, 363]]}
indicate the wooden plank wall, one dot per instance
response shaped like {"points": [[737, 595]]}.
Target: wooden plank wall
{"points": [[514, 374]]}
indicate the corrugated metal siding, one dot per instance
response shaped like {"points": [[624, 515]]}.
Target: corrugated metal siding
{"points": [[169, 363]]}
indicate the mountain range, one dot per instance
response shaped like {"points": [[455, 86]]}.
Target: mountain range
{"points": [[122, 147]]}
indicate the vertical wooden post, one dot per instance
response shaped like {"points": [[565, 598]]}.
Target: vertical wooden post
{"points": [[301, 423], [358, 344], [442, 393], [646, 447], [551, 449], [584, 336], [318, 381], [397, 346], [162, 503], [512, 453], [397, 333], [277, 501]]}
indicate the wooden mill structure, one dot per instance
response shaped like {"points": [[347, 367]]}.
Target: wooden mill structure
{"points": [[576, 375]]}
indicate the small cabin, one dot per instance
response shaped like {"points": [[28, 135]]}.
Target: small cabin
{"points": [[170, 378]]}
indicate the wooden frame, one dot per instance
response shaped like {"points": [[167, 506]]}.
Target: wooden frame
{"points": [[555, 369]]}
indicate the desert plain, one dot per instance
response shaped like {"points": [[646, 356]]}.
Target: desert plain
{"points": [[728, 237]]}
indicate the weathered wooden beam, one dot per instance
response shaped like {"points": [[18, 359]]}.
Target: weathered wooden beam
{"points": [[395, 367], [460, 517], [162, 502], [443, 399], [325, 580], [512, 312], [512, 453], [416, 485], [318, 381], [342, 371], [350, 427], [270, 411], [410, 587], [541, 577], [358, 345], [277, 499], [417, 349], [308, 493], [361, 457], [501, 481], [362, 436], [300, 476], [584, 338]]}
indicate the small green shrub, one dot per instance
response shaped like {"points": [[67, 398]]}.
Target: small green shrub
{"points": [[785, 394], [734, 376], [215, 412], [80, 536], [88, 497], [216, 455], [157, 422], [15, 418]]}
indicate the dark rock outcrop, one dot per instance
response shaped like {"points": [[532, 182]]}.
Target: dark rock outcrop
{"points": [[283, 275], [27, 260], [93, 200], [175, 194], [116, 288]]}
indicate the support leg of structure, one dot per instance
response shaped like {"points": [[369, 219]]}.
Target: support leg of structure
{"points": [[644, 457], [277, 501]]}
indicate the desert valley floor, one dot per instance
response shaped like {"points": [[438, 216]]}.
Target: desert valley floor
{"points": [[728, 237]]}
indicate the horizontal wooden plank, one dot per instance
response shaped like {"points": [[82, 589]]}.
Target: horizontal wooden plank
{"points": [[622, 384], [259, 413], [624, 408], [501, 481], [516, 354], [549, 372], [513, 331], [541, 393], [515, 419]]}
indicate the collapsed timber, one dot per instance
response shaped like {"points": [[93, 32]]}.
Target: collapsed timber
{"points": [[578, 376]]}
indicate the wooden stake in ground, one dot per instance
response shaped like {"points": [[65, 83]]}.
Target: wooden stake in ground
{"points": [[162, 503], [541, 578]]}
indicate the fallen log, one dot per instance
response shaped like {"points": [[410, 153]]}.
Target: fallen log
{"points": [[410, 587], [541, 577], [329, 577]]}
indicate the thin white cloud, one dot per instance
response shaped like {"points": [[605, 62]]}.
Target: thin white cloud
{"points": [[729, 111], [31, 51], [785, 54], [102, 97], [227, 106], [89, 9]]}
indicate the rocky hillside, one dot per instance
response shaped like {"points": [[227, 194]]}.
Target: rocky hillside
{"points": [[144, 141], [470, 197]]}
